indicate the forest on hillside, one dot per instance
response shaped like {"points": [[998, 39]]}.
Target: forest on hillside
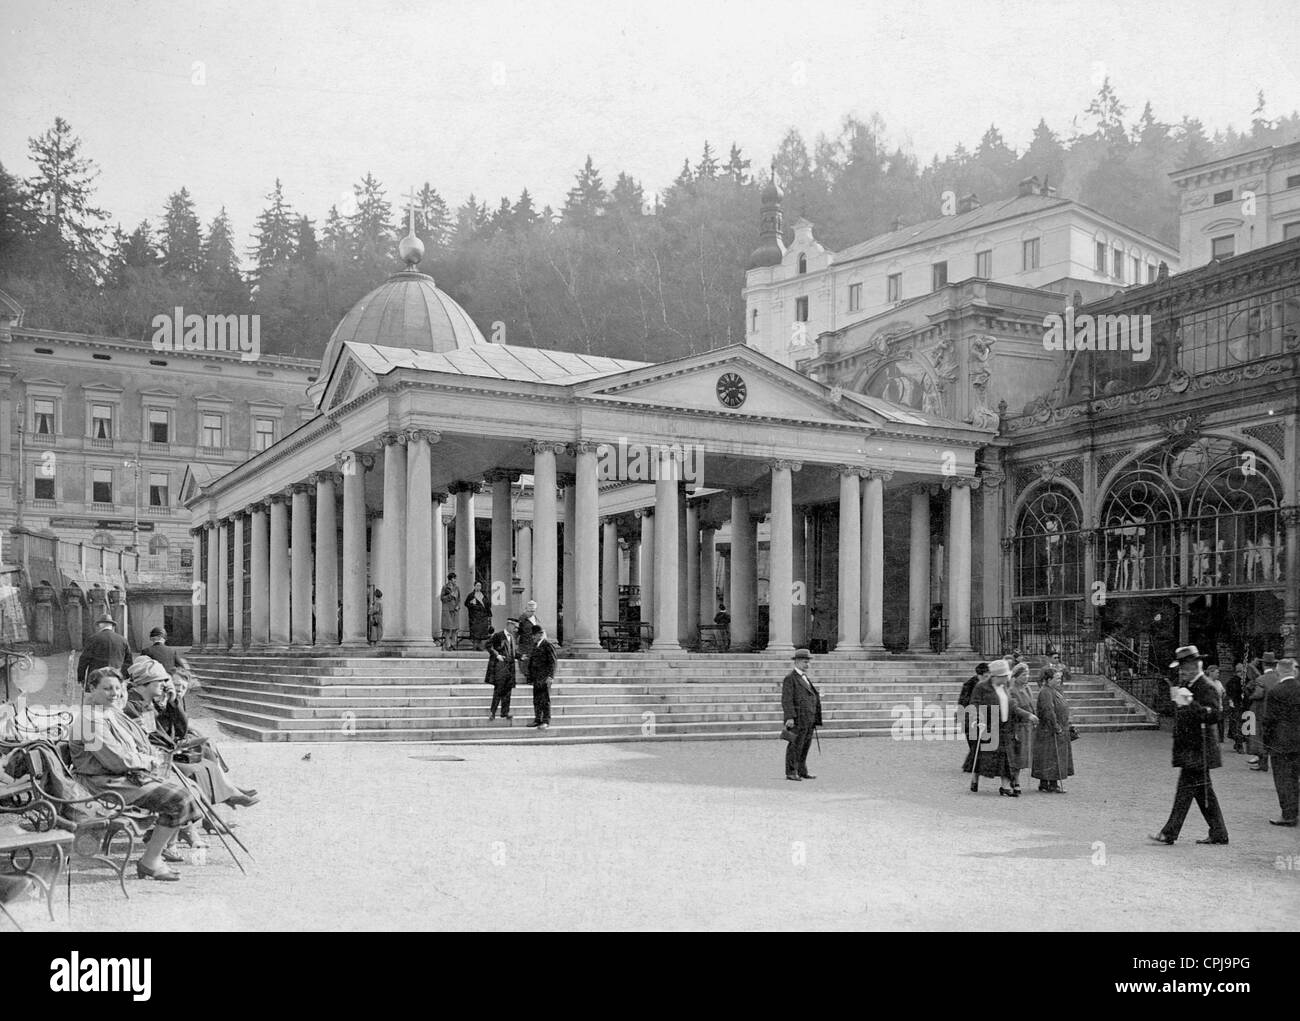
{"points": [[613, 272]]}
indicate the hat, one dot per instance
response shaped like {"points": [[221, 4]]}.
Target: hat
{"points": [[451, 574], [158, 632], [538, 629], [1270, 659], [1183, 653], [1020, 668], [145, 670], [106, 620], [801, 654], [999, 668]]}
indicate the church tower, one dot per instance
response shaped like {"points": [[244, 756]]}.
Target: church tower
{"points": [[771, 248]]}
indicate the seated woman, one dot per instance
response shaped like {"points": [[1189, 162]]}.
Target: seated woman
{"points": [[111, 752], [155, 701]]}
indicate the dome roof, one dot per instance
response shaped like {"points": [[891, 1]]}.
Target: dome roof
{"points": [[407, 311], [769, 252]]}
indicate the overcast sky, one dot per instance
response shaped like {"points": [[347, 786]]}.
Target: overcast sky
{"points": [[492, 97]]}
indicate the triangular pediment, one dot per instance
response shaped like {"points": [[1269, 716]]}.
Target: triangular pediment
{"points": [[347, 378]]}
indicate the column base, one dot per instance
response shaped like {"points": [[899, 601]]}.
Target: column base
{"points": [[784, 648], [665, 649], [874, 648], [959, 647]]}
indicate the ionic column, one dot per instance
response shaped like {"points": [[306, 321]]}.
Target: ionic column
{"points": [[666, 566], [199, 599], [1291, 591], [918, 572], [327, 559], [437, 557], [744, 571], [354, 467], [586, 548], [259, 576], [707, 597], [419, 536], [300, 608], [569, 574], [803, 586], [237, 583], [959, 572], [279, 570], [524, 563], [499, 591], [691, 632], [545, 559], [850, 560], [780, 569], [647, 566], [609, 570], [873, 557], [466, 552], [684, 547], [393, 549], [634, 567], [223, 591], [991, 544]]}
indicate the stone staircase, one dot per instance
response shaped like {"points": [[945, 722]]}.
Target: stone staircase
{"points": [[305, 697]]}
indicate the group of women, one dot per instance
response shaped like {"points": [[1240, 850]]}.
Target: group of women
{"points": [[1033, 733], [135, 739]]}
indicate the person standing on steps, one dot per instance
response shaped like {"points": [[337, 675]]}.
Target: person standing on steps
{"points": [[1196, 750], [1281, 732], [501, 673], [541, 672], [450, 599], [963, 700], [524, 634], [801, 704]]}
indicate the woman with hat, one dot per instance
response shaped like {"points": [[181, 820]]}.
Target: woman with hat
{"points": [[996, 716], [1053, 757], [1020, 751], [111, 752]]}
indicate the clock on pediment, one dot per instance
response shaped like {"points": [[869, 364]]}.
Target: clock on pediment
{"points": [[731, 390]]}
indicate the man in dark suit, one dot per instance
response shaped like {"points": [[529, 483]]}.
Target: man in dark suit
{"points": [[801, 704], [161, 651], [105, 648], [1282, 740], [963, 700], [1233, 691], [1196, 748], [1258, 694], [541, 672]]}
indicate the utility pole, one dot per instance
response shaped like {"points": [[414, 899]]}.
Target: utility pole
{"points": [[135, 506], [22, 469]]}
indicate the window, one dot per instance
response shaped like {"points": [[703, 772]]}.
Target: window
{"points": [[158, 545], [1220, 197], [894, 287], [43, 416], [1151, 272], [263, 433], [44, 489], [1117, 264], [753, 321], [1293, 181], [803, 264], [211, 430], [1291, 230], [1099, 260], [1137, 270], [801, 309], [101, 486], [101, 421], [984, 264], [159, 425], [938, 275], [1222, 248], [855, 297], [1029, 251], [158, 490]]}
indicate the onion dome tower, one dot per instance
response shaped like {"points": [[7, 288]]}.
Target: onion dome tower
{"points": [[771, 247]]}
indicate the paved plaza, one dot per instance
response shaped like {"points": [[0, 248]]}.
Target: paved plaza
{"points": [[682, 835]]}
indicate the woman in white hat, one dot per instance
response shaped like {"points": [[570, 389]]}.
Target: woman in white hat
{"points": [[997, 716]]}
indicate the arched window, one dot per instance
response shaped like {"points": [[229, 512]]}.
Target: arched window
{"points": [[1235, 538], [1139, 539], [158, 544], [104, 539], [803, 264], [1048, 545]]}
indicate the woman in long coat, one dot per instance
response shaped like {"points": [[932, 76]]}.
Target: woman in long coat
{"points": [[1020, 751], [1053, 758], [995, 761], [480, 616], [450, 599]]}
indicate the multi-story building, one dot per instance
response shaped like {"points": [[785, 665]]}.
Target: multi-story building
{"points": [[1032, 240], [1239, 203]]}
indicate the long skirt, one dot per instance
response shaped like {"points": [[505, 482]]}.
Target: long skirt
{"points": [[167, 799], [1053, 757]]}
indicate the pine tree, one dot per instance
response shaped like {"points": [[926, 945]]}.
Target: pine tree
{"points": [[1108, 113], [16, 222], [685, 177], [371, 226], [502, 216], [179, 236], [69, 230], [707, 168], [220, 265], [276, 228], [432, 218], [737, 168], [587, 198], [138, 250], [306, 246], [524, 215], [335, 232], [628, 197]]}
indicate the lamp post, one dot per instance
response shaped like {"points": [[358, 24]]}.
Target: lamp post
{"points": [[22, 468], [134, 464]]}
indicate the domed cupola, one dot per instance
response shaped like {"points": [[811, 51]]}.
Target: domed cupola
{"points": [[771, 247]]}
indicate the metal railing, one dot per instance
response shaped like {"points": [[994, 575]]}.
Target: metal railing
{"points": [[11, 656]]}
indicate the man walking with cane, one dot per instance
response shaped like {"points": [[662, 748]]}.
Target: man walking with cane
{"points": [[1196, 749], [802, 706]]}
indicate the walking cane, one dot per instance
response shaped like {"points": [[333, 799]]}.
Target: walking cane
{"points": [[207, 813]]}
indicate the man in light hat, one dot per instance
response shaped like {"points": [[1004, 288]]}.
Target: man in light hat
{"points": [[105, 648], [161, 651], [801, 704], [1197, 708], [1255, 700]]}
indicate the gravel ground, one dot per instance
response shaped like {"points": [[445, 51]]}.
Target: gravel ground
{"points": [[699, 835]]}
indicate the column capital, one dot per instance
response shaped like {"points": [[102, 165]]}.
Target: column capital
{"points": [[1290, 516], [280, 497], [438, 496], [709, 525], [610, 519], [394, 437], [427, 435], [565, 480], [325, 475], [374, 514], [992, 480], [584, 447], [920, 489], [1008, 542], [784, 464], [463, 486], [256, 507], [349, 461], [502, 475], [850, 469], [961, 482], [294, 488], [546, 446], [644, 512], [883, 474]]}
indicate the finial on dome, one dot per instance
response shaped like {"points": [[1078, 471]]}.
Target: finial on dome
{"points": [[411, 248]]}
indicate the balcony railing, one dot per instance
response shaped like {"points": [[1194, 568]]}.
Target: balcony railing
{"points": [[96, 443], [158, 512], [102, 508], [42, 439]]}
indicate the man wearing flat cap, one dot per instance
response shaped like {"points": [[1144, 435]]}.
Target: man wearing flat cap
{"points": [[801, 705], [161, 651], [105, 648], [1197, 708]]}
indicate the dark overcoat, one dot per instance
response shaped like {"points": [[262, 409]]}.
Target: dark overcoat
{"points": [[801, 702], [104, 648], [1053, 756], [1196, 739], [1281, 729]]}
